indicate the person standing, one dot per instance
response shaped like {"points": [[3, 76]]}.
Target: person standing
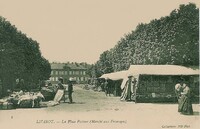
{"points": [[70, 90], [20, 85], [178, 90], [107, 88], [134, 90], [129, 93], [60, 84], [185, 105], [60, 91]]}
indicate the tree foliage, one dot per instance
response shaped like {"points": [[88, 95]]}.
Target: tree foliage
{"points": [[20, 57], [172, 39]]}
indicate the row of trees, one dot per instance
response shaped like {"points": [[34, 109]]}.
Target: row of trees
{"points": [[172, 39], [20, 57]]}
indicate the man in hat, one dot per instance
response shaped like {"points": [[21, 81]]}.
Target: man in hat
{"points": [[60, 83], [70, 90]]}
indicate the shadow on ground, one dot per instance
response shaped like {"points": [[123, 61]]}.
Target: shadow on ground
{"points": [[196, 113], [76, 102]]}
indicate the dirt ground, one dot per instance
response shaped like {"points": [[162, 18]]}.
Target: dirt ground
{"points": [[94, 110]]}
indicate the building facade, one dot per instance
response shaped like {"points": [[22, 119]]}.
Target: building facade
{"points": [[68, 70]]}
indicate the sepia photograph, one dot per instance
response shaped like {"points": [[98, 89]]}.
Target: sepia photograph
{"points": [[99, 64]]}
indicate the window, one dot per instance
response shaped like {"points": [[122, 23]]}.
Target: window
{"points": [[70, 72], [83, 72], [65, 72], [56, 73], [52, 72], [82, 78], [61, 72], [56, 79]]}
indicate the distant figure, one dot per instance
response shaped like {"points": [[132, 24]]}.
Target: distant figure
{"points": [[134, 83], [70, 90], [107, 88], [17, 86], [129, 93], [60, 84], [185, 105], [102, 86], [20, 85], [49, 84], [41, 84]]}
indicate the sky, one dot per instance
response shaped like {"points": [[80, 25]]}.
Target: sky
{"points": [[80, 30]]}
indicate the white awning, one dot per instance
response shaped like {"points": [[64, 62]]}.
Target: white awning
{"points": [[135, 70], [115, 76]]}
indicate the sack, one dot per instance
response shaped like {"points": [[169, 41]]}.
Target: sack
{"points": [[43, 104], [7, 106], [58, 95], [28, 103], [48, 94]]}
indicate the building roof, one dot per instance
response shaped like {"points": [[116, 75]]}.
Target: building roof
{"points": [[160, 70], [63, 65]]}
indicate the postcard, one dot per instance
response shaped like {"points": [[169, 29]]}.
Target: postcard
{"points": [[93, 64]]}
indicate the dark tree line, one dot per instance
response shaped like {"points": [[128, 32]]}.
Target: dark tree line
{"points": [[20, 57], [172, 39]]}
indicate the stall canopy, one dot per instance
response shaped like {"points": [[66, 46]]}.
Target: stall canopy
{"points": [[115, 76], [136, 70], [161, 70]]}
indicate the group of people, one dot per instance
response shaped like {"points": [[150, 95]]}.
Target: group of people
{"points": [[20, 85], [61, 89], [183, 94]]}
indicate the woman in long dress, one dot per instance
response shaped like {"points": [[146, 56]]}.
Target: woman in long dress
{"points": [[185, 105], [178, 90]]}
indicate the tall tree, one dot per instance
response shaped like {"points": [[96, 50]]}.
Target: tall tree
{"points": [[20, 57], [172, 39]]}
